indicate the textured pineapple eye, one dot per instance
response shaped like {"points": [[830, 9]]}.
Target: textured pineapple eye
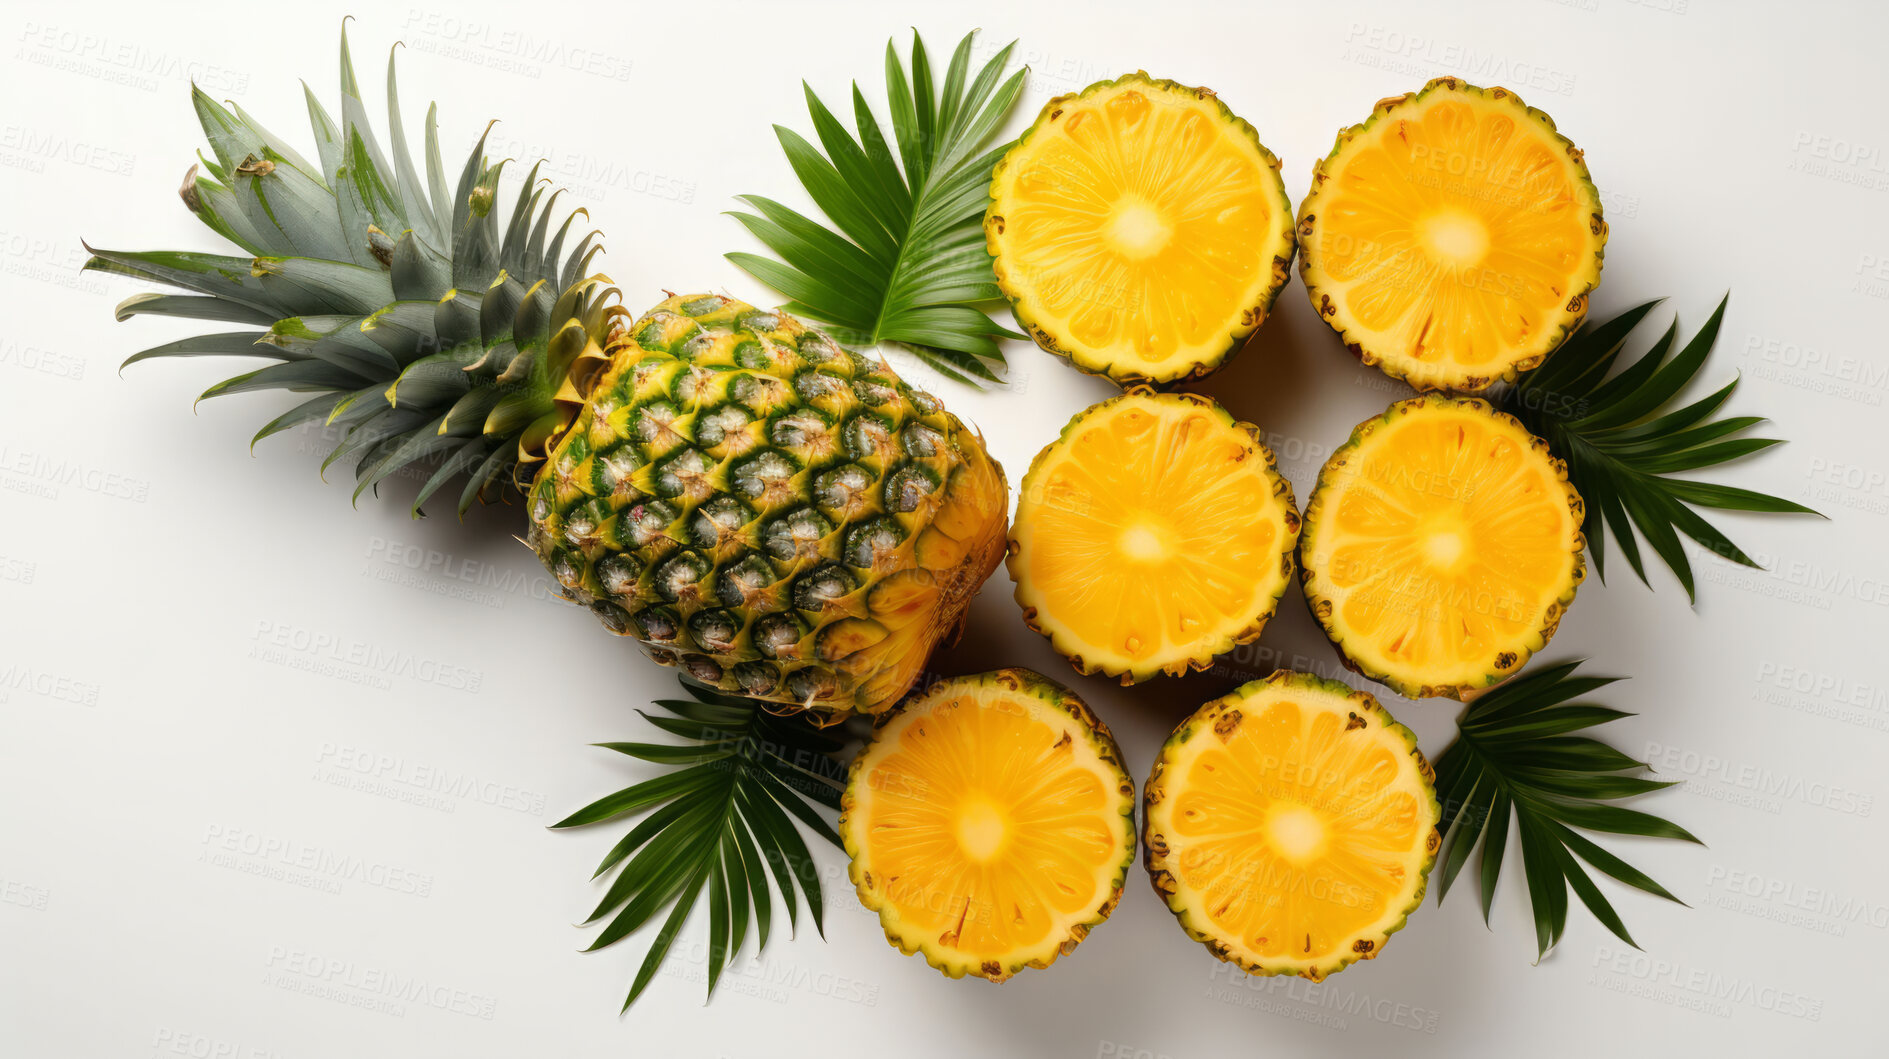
{"points": [[654, 334], [713, 428], [874, 391], [920, 440], [685, 473], [680, 574], [568, 572], [658, 624], [758, 322], [614, 469], [807, 685], [653, 421], [696, 345], [924, 402], [763, 476], [759, 393], [825, 585], [579, 527], [796, 534], [758, 678], [644, 371], [702, 306], [739, 583], [695, 385], [618, 574], [843, 489], [796, 429], [818, 349], [702, 668], [777, 634], [720, 518], [867, 436], [872, 543], [650, 522], [614, 618], [907, 487], [715, 630], [815, 385], [751, 353]]}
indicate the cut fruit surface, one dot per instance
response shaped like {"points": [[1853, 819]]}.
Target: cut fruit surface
{"points": [[1441, 546], [1291, 825], [1452, 238], [1140, 230], [990, 823], [1154, 534]]}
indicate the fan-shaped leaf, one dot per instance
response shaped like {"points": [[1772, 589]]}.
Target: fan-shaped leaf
{"points": [[716, 825], [907, 263], [1513, 758]]}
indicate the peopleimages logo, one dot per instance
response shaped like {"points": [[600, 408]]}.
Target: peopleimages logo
{"points": [[331, 654], [398, 772], [1695, 988], [374, 988]]}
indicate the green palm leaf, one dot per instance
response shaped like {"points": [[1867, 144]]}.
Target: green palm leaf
{"points": [[1514, 757], [1622, 438], [716, 824], [908, 263]]}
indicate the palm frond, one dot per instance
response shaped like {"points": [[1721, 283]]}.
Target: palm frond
{"points": [[716, 824], [1623, 439], [908, 263], [1514, 757]]}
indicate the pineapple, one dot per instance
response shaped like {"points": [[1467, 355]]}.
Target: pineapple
{"points": [[1291, 826], [780, 516], [1140, 230], [1441, 547], [990, 823], [1154, 534], [1452, 238]]}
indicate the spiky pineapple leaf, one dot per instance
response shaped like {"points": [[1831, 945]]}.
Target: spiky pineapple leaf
{"points": [[420, 320], [908, 263], [712, 823], [1623, 438], [1515, 757]]}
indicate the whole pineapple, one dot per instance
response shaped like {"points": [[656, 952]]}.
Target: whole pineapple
{"points": [[782, 517]]}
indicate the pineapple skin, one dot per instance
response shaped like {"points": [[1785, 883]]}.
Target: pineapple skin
{"points": [[779, 516]]}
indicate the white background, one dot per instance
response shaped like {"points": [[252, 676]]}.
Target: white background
{"points": [[148, 562]]}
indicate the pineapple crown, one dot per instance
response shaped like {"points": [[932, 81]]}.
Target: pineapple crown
{"points": [[431, 331]]}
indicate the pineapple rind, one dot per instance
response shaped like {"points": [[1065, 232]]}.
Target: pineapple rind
{"points": [[1402, 368], [1056, 698], [1155, 848], [1083, 656], [1323, 606], [1249, 320], [781, 517]]}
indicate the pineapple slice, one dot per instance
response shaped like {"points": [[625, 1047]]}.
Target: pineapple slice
{"points": [[1140, 230], [1441, 547], [1154, 534], [1291, 826], [990, 823], [1452, 239]]}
